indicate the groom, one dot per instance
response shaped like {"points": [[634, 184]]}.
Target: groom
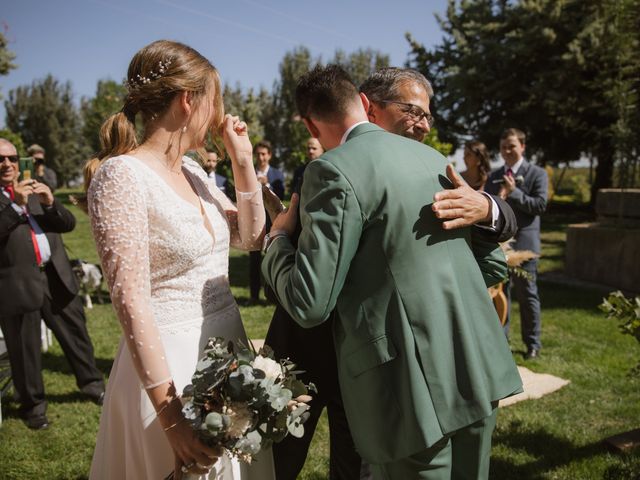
{"points": [[421, 358]]}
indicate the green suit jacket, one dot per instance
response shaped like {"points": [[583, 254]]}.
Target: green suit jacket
{"points": [[419, 346]]}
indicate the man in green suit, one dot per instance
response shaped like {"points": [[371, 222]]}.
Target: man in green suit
{"points": [[421, 357]]}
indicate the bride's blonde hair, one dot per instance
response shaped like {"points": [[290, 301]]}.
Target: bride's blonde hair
{"points": [[156, 74]]}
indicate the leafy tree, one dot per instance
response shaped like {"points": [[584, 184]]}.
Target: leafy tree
{"points": [[540, 65], [44, 113], [361, 63], [282, 126], [94, 111], [433, 141], [6, 57]]}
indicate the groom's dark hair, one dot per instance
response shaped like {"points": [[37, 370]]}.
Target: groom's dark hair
{"points": [[325, 92]]}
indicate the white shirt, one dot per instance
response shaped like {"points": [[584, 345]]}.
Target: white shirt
{"points": [[346, 134]]}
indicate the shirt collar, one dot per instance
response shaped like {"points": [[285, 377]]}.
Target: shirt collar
{"points": [[263, 172], [346, 134], [516, 167]]}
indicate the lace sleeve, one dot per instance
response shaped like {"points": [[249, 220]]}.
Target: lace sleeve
{"points": [[119, 220], [246, 221]]}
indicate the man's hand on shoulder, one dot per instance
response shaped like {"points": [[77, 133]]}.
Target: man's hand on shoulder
{"points": [[461, 206]]}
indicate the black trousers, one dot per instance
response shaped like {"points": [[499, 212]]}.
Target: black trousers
{"points": [[255, 276], [22, 334], [344, 462]]}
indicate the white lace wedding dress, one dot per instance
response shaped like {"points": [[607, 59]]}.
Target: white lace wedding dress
{"points": [[167, 269]]}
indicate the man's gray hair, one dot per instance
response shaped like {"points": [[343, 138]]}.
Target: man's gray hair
{"points": [[385, 83]]}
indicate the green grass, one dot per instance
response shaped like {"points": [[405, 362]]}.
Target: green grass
{"points": [[556, 437]]}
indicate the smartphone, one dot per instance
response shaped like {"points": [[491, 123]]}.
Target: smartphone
{"points": [[26, 168]]}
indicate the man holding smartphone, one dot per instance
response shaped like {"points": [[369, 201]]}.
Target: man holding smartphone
{"points": [[42, 173], [36, 282]]}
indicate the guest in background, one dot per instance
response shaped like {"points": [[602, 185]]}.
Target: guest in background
{"points": [[477, 161], [273, 178], [43, 174], [524, 187], [314, 150], [210, 167], [36, 282]]}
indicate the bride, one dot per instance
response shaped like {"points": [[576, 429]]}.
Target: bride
{"points": [[163, 237]]}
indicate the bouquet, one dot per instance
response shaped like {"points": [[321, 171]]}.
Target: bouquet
{"points": [[239, 398]]}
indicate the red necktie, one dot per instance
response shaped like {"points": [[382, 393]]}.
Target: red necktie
{"points": [[9, 190], [36, 248], [509, 173]]}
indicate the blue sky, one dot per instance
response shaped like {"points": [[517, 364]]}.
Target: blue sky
{"points": [[86, 40]]}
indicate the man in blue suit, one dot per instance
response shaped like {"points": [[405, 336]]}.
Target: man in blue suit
{"points": [[524, 186], [274, 179]]}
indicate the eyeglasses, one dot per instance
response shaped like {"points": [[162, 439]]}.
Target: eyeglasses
{"points": [[11, 158], [414, 111]]}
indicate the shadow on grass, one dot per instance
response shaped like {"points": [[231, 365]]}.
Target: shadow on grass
{"points": [[554, 296], [550, 452], [58, 363]]}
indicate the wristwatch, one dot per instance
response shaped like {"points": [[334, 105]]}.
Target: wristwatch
{"points": [[270, 237]]}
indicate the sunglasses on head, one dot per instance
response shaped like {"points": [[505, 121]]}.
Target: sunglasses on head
{"points": [[12, 158]]}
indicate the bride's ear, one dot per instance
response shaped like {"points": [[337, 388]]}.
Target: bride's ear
{"points": [[186, 103]]}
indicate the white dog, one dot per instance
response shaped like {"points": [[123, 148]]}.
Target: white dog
{"points": [[90, 279]]}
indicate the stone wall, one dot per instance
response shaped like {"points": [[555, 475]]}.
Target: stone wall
{"points": [[608, 252]]}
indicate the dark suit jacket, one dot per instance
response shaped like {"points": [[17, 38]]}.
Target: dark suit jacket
{"points": [[22, 287], [507, 225], [528, 201], [276, 180]]}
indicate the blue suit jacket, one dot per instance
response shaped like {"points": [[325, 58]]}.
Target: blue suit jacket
{"points": [[528, 201]]}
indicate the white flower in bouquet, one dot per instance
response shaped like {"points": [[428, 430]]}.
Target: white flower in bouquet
{"points": [[271, 368], [239, 398], [240, 416]]}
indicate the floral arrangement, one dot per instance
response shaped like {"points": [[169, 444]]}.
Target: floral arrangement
{"points": [[241, 399]]}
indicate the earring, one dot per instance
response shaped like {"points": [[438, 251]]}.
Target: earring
{"points": [[184, 129]]}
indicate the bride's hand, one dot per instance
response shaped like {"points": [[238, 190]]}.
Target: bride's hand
{"points": [[236, 141], [191, 455]]}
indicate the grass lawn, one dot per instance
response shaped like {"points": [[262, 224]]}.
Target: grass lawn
{"points": [[556, 437]]}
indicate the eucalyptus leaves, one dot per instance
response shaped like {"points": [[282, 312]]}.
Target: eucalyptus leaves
{"points": [[240, 399]]}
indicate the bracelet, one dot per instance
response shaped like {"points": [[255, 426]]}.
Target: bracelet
{"points": [[171, 426], [159, 412]]}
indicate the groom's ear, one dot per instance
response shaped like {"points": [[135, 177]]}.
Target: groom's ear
{"points": [[311, 127]]}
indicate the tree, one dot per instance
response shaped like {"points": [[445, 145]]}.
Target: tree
{"points": [[539, 65], [282, 126], [361, 63], [94, 111], [44, 113], [6, 57]]}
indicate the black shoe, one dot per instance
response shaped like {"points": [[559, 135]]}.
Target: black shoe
{"points": [[532, 354], [95, 391], [37, 422]]}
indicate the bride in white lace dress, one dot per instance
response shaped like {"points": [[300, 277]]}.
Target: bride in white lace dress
{"points": [[163, 235]]}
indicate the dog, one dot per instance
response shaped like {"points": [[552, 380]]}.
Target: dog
{"points": [[90, 279]]}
